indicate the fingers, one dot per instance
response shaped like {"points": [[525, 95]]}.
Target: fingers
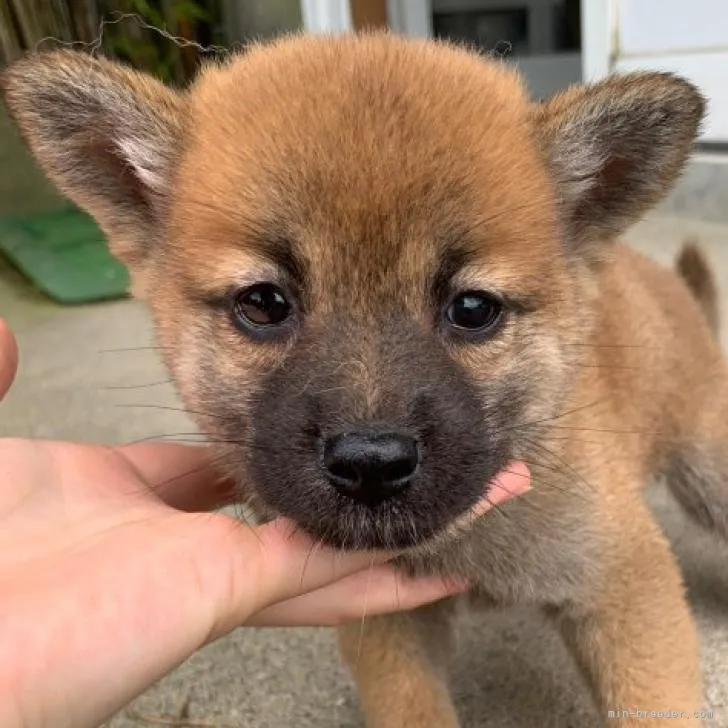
{"points": [[512, 481], [277, 565], [379, 590], [293, 564], [183, 476], [8, 358], [263, 568]]}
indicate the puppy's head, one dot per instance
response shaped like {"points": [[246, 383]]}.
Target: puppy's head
{"points": [[367, 257]]}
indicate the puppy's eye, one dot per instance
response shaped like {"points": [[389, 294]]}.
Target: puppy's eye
{"points": [[474, 311], [261, 305]]}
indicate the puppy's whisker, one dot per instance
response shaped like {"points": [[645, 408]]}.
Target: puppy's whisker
{"points": [[612, 367], [555, 418], [364, 612], [641, 433], [548, 437], [182, 437], [535, 466], [121, 350], [171, 408], [186, 474], [199, 438], [138, 386], [495, 507], [539, 480], [616, 346], [558, 458], [315, 545]]}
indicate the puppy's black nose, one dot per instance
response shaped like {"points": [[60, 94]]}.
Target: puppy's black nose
{"points": [[370, 466]]}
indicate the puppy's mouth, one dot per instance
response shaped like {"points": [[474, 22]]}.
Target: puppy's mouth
{"points": [[380, 488], [393, 525]]}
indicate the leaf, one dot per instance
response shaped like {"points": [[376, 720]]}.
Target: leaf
{"points": [[188, 10], [149, 14]]}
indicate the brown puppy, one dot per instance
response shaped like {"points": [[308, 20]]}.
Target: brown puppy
{"points": [[380, 274]]}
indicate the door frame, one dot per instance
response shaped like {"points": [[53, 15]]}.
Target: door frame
{"points": [[599, 38], [326, 16]]}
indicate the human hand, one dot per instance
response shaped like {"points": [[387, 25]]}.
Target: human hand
{"points": [[113, 572]]}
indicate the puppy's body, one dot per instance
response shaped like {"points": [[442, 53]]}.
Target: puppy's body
{"points": [[439, 273], [582, 544], [617, 429]]}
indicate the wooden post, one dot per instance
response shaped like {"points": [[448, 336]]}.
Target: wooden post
{"points": [[369, 14]]}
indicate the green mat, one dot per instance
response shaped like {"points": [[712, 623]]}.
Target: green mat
{"points": [[65, 255]]}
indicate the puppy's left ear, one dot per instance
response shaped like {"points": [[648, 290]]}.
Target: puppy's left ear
{"points": [[108, 136], [616, 147]]}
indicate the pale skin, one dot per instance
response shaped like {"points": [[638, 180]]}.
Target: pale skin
{"points": [[114, 570]]}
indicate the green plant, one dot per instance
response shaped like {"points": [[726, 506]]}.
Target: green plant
{"points": [[144, 33]]}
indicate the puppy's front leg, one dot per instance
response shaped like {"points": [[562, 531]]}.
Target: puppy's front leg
{"points": [[399, 665], [636, 639]]}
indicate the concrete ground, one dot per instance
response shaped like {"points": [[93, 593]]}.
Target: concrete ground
{"points": [[92, 373]]}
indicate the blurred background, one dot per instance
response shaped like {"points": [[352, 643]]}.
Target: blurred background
{"points": [[90, 368]]}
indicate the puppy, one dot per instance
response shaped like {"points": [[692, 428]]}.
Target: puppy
{"points": [[380, 274]]}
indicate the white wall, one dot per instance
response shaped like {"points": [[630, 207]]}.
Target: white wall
{"points": [[671, 26], [326, 16], [411, 17], [688, 37]]}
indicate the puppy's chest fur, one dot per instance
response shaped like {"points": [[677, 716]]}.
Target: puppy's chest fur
{"points": [[524, 553]]}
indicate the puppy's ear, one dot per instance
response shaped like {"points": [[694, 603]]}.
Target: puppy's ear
{"points": [[615, 148], [108, 136]]}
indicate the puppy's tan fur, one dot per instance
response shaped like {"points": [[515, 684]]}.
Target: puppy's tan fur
{"points": [[372, 153]]}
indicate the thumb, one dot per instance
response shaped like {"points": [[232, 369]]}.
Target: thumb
{"points": [[8, 358]]}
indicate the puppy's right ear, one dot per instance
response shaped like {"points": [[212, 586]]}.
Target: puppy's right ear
{"points": [[615, 148], [109, 137]]}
